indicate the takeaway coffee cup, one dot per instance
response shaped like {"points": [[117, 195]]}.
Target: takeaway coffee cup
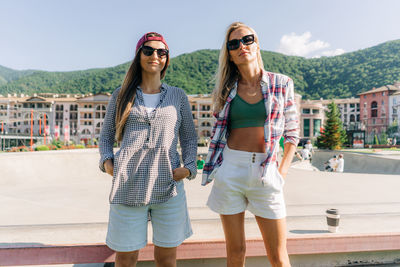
{"points": [[332, 218]]}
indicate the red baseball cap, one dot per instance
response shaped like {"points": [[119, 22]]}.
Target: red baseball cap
{"points": [[150, 36]]}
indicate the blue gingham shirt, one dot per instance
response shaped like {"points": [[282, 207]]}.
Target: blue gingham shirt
{"points": [[282, 119], [148, 154]]}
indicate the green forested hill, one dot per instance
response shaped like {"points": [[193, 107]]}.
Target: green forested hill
{"points": [[8, 75], [327, 77]]}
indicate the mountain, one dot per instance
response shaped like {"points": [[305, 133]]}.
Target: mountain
{"points": [[8, 75], [328, 77]]}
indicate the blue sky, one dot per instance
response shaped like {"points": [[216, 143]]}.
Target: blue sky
{"points": [[66, 35]]}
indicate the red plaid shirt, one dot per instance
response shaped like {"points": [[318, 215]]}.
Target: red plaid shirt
{"points": [[282, 119]]}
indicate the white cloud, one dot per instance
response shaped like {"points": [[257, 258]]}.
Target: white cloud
{"points": [[301, 45], [330, 53]]}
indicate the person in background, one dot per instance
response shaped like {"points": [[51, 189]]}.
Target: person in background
{"points": [[309, 146], [148, 117], [331, 164], [297, 155], [253, 108], [340, 163], [200, 162], [306, 154]]}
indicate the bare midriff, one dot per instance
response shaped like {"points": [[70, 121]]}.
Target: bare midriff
{"points": [[250, 139]]}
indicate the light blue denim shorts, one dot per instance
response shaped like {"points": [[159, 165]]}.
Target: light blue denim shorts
{"points": [[127, 226]]}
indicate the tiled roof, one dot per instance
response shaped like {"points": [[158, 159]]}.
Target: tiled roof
{"points": [[381, 89]]}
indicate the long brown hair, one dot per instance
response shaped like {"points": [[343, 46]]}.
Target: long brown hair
{"points": [[228, 73], [127, 93]]}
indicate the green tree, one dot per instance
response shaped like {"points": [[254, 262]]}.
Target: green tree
{"points": [[392, 129], [333, 135]]}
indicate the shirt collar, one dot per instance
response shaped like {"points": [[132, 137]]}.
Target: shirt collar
{"points": [[264, 78], [162, 88]]}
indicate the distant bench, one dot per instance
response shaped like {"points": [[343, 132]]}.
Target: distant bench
{"points": [[14, 255]]}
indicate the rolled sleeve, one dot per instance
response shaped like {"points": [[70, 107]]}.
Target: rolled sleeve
{"points": [[292, 129], [107, 134], [188, 138]]}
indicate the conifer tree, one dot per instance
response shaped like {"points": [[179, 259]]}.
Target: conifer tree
{"points": [[333, 136]]}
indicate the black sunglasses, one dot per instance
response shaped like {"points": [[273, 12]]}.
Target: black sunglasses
{"points": [[235, 43], [148, 51]]}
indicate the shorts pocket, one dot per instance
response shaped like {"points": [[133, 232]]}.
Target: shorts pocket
{"points": [[273, 179], [280, 177], [217, 174]]}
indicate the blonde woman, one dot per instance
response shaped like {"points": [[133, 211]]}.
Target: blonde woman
{"points": [[148, 117], [253, 108]]}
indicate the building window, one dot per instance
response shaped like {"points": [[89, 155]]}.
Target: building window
{"points": [[365, 96], [317, 127], [306, 123], [352, 118], [315, 111], [374, 109], [373, 95], [306, 111], [383, 93]]}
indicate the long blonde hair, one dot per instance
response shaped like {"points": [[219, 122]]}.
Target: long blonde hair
{"points": [[228, 72], [127, 93]]}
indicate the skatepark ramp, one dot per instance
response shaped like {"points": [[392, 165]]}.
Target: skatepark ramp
{"points": [[359, 162]]}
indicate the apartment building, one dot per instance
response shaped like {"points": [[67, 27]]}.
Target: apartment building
{"points": [[312, 114], [201, 106], [377, 108], [79, 117], [394, 107]]}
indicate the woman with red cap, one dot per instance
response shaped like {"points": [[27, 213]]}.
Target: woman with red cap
{"points": [[148, 118]]}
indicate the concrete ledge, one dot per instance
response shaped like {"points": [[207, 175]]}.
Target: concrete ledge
{"points": [[14, 255]]}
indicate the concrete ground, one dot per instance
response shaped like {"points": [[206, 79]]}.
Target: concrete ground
{"points": [[61, 197]]}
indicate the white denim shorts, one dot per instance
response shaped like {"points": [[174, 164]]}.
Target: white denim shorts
{"points": [[239, 185], [127, 226]]}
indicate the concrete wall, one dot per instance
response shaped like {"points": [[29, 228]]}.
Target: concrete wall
{"points": [[359, 163]]}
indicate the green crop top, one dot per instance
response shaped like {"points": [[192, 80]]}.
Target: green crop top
{"points": [[243, 114]]}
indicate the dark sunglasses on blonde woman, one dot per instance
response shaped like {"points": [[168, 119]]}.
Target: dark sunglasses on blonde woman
{"points": [[148, 51], [235, 43]]}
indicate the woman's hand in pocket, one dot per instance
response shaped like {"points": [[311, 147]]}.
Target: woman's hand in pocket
{"points": [[109, 167], [282, 172], [180, 173]]}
